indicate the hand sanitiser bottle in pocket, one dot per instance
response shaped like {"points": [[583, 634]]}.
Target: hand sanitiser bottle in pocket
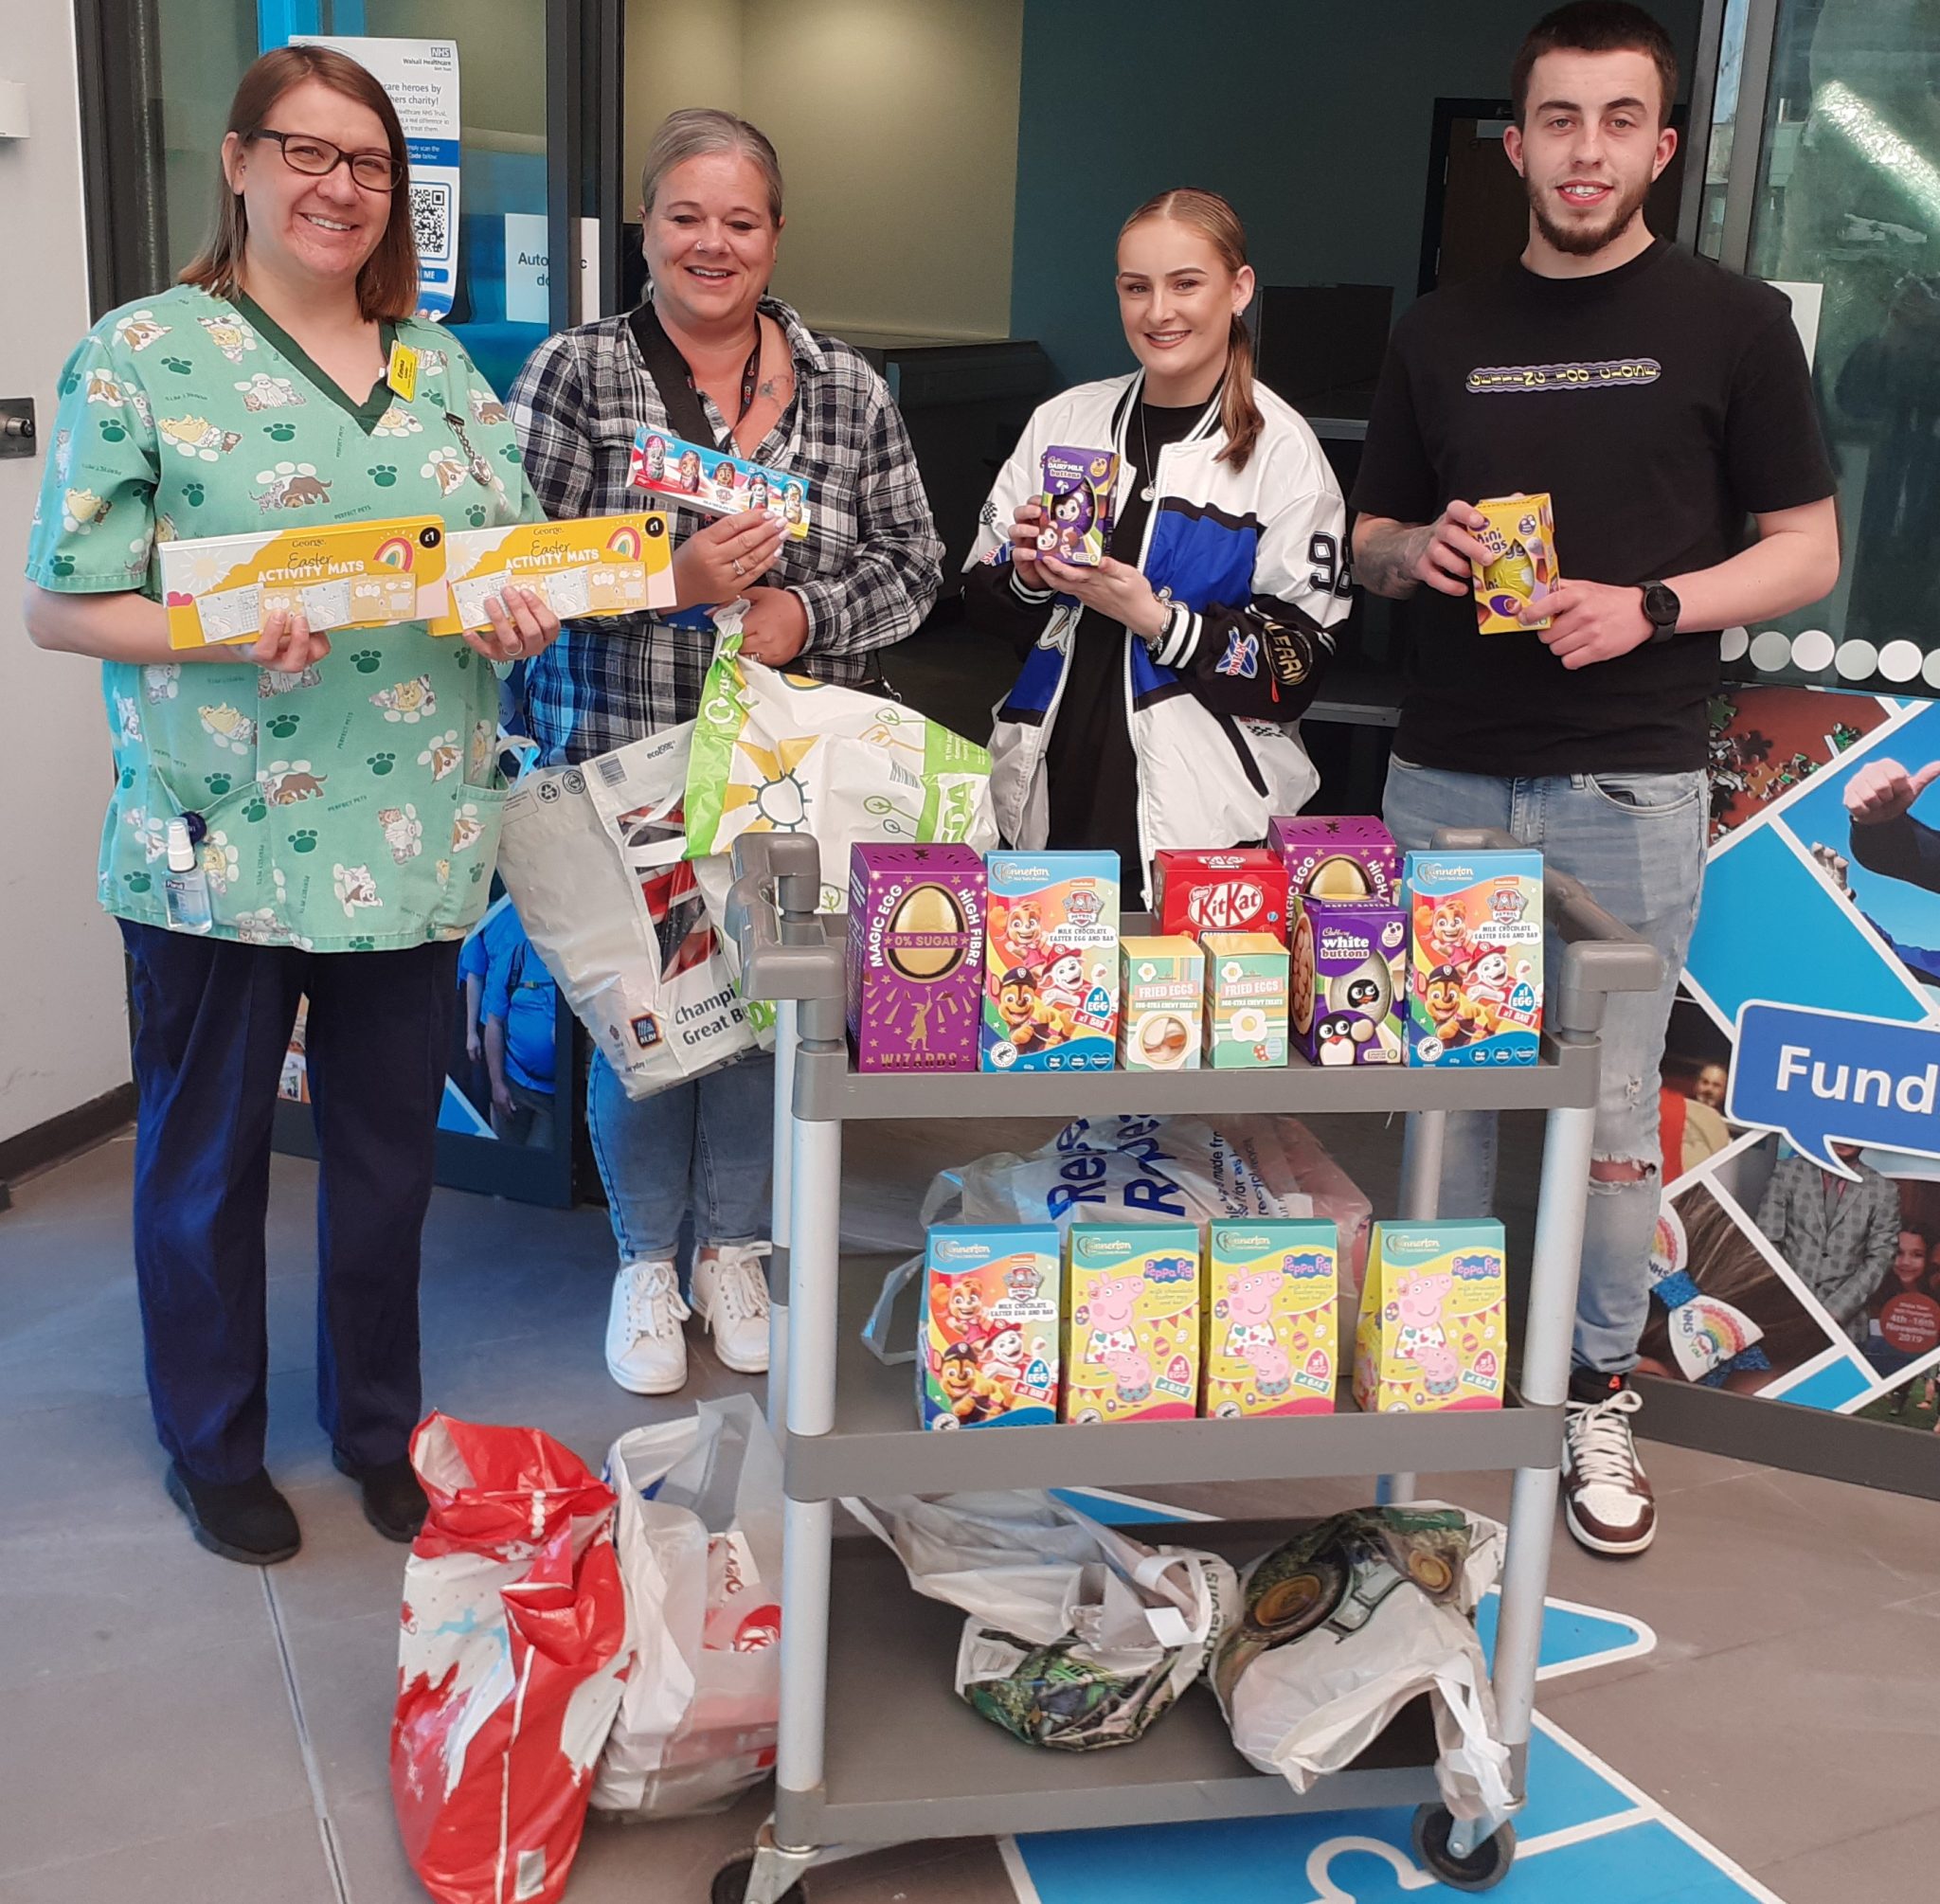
{"points": [[185, 891]]}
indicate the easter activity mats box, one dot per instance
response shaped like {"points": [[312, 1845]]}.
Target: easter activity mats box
{"points": [[1434, 1327], [1132, 1341], [915, 956], [1337, 856], [1246, 1001], [1271, 1291], [990, 1326], [717, 481], [1050, 961], [357, 575], [1474, 979], [1077, 500], [1349, 981], [1520, 536], [1161, 988], [583, 569]]}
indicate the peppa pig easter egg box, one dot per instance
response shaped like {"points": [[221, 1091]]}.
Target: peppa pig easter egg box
{"points": [[1132, 1328], [1434, 1317], [1271, 1290], [989, 1354]]}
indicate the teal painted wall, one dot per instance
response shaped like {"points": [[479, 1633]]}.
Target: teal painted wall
{"points": [[1313, 117]]}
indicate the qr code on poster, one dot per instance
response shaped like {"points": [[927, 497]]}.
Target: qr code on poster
{"points": [[431, 220]]}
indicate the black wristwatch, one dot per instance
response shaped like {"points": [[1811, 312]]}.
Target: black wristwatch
{"points": [[1661, 609]]}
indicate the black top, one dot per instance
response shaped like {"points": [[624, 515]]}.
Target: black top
{"points": [[1659, 404]]}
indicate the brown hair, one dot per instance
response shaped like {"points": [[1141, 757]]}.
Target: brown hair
{"points": [[1208, 213], [387, 284], [694, 131], [1598, 26]]}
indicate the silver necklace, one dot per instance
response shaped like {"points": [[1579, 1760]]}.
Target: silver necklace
{"points": [[1151, 487]]}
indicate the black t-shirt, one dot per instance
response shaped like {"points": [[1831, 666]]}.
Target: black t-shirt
{"points": [[1659, 404]]}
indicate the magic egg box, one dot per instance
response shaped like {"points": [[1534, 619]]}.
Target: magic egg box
{"points": [[915, 957]]}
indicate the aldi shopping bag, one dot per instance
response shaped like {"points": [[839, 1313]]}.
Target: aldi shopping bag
{"points": [[1344, 1624], [510, 1663], [1079, 1636], [775, 752], [593, 857], [699, 1537]]}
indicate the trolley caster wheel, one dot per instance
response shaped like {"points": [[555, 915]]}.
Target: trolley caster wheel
{"points": [[1481, 1870], [731, 1885]]}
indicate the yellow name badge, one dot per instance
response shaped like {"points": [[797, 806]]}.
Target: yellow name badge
{"points": [[402, 374], [598, 565], [219, 589]]}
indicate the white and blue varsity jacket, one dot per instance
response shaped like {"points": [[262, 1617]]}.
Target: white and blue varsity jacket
{"points": [[1255, 554]]}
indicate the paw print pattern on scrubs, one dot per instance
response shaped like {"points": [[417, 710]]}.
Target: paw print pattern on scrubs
{"points": [[187, 415]]}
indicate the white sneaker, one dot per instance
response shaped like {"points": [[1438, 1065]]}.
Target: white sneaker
{"points": [[1606, 1500], [730, 1294], [646, 1354]]}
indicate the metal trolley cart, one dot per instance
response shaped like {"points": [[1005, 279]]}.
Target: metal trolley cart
{"points": [[873, 1747]]}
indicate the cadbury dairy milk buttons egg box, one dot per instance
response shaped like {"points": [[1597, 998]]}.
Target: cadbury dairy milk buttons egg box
{"points": [[915, 957]]}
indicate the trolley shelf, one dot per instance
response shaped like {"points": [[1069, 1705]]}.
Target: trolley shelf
{"points": [[908, 1759], [876, 1447], [826, 1089]]}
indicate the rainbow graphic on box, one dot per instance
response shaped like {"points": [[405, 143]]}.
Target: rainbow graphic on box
{"points": [[583, 569]]}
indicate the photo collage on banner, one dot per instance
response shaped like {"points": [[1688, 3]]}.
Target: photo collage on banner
{"points": [[1775, 1276]]}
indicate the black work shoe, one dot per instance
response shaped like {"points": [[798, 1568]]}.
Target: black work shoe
{"points": [[245, 1520], [393, 1501]]}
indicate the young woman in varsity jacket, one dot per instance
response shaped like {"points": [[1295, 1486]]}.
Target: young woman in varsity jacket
{"points": [[1161, 691]]}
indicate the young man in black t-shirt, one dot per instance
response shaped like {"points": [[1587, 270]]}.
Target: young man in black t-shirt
{"points": [[1660, 401]]}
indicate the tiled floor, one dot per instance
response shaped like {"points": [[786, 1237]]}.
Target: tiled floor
{"points": [[177, 1728]]}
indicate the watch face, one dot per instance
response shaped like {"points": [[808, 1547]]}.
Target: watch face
{"points": [[1662, 606]]}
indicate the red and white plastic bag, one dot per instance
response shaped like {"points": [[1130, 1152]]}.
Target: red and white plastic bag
{"points": [[510, 1663]]}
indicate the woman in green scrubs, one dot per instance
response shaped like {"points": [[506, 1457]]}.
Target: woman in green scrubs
{"points": [[342, 800]]}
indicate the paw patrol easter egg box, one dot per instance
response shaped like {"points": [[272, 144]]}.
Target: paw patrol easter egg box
{"points": [[1475, 978], [601, 564], [990, 1326], [1271, 1292], [1246, 1001], [359, 575], [1132, 1340], [1241, 891], [1520, 536], [1349, 1002], [717, 481], [1077, 501], [1050, 963], [1434, 1327], [1337, 856], [915, 956], [1162, 990]]}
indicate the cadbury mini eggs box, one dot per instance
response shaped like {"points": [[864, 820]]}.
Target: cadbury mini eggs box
{"points": [[1520, 533], [915, 957]]}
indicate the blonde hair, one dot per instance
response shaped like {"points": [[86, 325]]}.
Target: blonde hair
{"points": [[695, 131], [387, 284], [1210, 214]]}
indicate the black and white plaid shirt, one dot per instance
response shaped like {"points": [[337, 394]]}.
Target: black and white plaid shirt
{"points": [[868, 571]]}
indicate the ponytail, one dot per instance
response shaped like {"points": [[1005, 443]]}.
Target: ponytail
{"points": [[1207, 212]]}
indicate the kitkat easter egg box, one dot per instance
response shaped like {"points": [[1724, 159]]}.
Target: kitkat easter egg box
{"points": [[915, 956], [990, 1326], [1132, 1328], [1271, 1327], [1434, 1327], [1050, 961]]}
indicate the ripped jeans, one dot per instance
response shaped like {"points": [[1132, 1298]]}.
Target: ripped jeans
{"points": [[1637, 841]]}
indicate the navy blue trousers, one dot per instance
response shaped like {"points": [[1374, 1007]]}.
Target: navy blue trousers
{"points": [[213, 1021]]}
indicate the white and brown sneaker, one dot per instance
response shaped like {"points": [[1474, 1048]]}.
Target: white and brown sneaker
{"points": [[1606, 1500]]}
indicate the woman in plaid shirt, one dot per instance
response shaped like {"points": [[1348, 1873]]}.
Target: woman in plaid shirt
{"points": [[864, 577]]}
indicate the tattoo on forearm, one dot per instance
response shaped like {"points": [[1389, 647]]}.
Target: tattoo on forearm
{"points": [[1385, 563]]}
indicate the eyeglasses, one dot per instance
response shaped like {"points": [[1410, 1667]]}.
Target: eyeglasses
{"points": [[318, 158]]}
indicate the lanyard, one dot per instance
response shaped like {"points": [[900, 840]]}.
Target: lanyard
{"points": [[669, 369]]}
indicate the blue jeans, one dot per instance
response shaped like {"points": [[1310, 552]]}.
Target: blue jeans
{"points": [[703, 1149], [1637, 843]]}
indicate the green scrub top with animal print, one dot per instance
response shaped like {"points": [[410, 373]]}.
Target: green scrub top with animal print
{"points": [[354, 806]]}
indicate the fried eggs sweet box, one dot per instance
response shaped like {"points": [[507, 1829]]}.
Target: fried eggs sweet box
{"points": [[1271, 1291], [1161, 988], [1337, 856], [1132, 1337], [915, 957], [1078, 501], [1246, 1001], [990, 1326], [1520, 533], [1433, 1329], [1050, 961], [1475, 957]]}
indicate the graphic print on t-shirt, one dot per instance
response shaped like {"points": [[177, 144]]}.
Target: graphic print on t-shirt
{"points": [[1609, 373]]}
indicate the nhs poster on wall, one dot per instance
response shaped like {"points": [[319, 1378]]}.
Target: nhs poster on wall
{"points": [[1798, 1247], [421, 77]]}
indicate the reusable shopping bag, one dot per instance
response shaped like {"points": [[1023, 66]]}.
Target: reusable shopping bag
{"points": [[510, 1663], [699, 1538], [1351, 1619], [593, 857], [1079, 1636]]}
